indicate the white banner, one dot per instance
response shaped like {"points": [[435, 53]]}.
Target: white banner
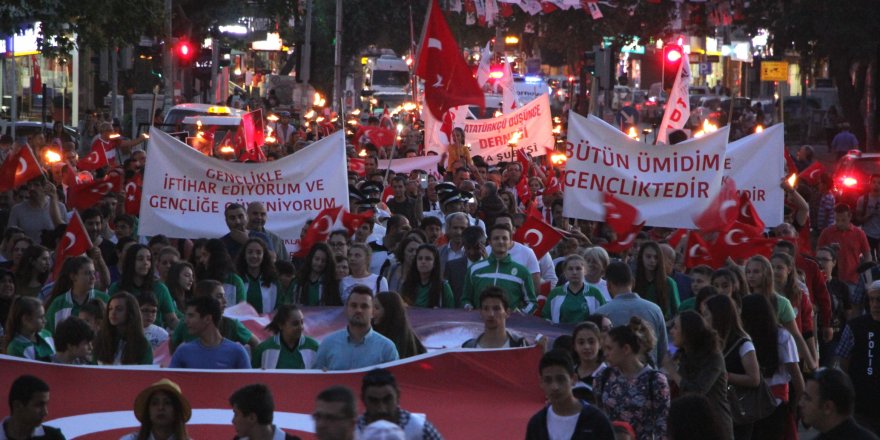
{"points": [[668, 185], [678, 107], [186, 192], [407, 164], [489, 137], [756, 163]]}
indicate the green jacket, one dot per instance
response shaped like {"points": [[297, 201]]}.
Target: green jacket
{"points": [[567, 307], [512, 277]]}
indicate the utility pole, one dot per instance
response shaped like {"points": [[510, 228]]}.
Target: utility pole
{"points": [[114, 81], [337, 63], [305, 69], [215, 61], [167, 62]]}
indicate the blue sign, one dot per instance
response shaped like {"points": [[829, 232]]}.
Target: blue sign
{"points": [[705, 69]]}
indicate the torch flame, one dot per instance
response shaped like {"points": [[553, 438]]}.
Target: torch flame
{"points": [[226, 149], [115, 136], [759, 128], [792, 180], [557, 129], [309, 114], [409, 106], [632, 133], [558, 158], [52, 156], [514, 139], [362, 153], [272, 118]]}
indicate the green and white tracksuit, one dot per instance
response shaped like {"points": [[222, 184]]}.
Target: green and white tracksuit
{"points": [[263, 298], [64, 306], [568, 307], [512, 277], [41, 350], [273, 354]]}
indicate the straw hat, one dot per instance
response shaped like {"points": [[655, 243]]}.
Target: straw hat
{"points": [[142, 401]]}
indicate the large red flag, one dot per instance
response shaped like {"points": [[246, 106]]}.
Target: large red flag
{"points": [[354, 221], [18, 169], [739, 243], [75, 242], [698, 252], [319, 229], [449, 81], [538, 235], [624, 241], [89, 194], [619, 215], [95, 160], [722, 211], [357, 165], [379, 136]]}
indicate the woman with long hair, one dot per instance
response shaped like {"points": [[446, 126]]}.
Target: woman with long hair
{"points": [[33, 272], [289, 348], [788, 283], [390, 320], [359, 264], [729, 284], [509, 200], [315, 283], [215, 263], [698, 366], [163, 412], [255, 267], [573, 301], [652, 283], [587, 347], [740, 358], [759, 276], [26, 335], [166, 257], [137, 279], [778, 359], [180, 281], [404, 255], [628, 390], [424, 285], [75, 287], [121, 340], [7, 295]]}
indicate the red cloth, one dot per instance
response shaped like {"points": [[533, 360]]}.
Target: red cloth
{"points": [[538, 235], [109, 148], [18, 169], [816, 283], [75, 242], [853, 243]]}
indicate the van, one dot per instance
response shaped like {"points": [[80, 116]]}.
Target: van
{"points": [[387, 79], [174, 118]]}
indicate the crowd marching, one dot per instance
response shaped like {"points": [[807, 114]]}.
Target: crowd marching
{"points": [[748, 349]]}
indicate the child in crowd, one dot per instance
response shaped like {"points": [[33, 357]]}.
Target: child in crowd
{"points": [[149, 308]]}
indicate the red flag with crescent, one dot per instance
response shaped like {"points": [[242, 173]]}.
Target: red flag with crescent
{"points": [[97, 159], [89, 194], [353, 221], [722, 210], [625, 240], [619, 215], [133, 194], [812, 173], [449, 81], [538, 235], [739, 242], [698, 251], [319, 230], [75, 242], [19, 168], [748, 215], [357, 165]]}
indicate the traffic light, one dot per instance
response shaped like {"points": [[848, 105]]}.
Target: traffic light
{"points": [[673, 56], [185, 52], [590, 62]]}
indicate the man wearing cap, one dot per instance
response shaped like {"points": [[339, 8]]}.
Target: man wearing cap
{"points": [[28, 406], [257, 217], [163, 412], [381, 398], [859, 346], [253, 409]]}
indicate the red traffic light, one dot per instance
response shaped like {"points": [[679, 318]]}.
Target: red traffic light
{"points": [[184, 50], [673, 55]]}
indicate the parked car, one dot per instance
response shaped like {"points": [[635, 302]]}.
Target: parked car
{"points": [[852, 175], [28, 128]]}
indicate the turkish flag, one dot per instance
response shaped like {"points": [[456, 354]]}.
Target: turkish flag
{"points": [[619, 215], [133, 190], [739, 243], [449, 81], [97, 159], [523, 158], [625, 240], [676, 237], [722, 210], [790, 166], [698, 251], [18, 169], [319, 229], [75, 242], [538, 235], [357, 165], [748, 215], [89, 194], [354, 221], [811, 173], [250, 131], [522, 190], [551, 183], [380, 136]]}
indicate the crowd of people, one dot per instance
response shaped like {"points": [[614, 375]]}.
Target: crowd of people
{"points": [[747, 350]]}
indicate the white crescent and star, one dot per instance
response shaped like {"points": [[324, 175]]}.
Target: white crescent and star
{"points": [[435, 43], [536, 233], [71, 240], [103, 187], [729, 237], [22, 165], [629, 239]]}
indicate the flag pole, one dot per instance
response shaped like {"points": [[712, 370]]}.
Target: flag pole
{"points": [[422, 37]]}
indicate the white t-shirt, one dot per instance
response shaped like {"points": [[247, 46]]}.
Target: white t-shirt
{"points": [[560, 427], [602, 286], [788, 354], [347, 283], [155, 335]]}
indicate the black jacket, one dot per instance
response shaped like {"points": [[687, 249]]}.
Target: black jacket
{"points": [[591, 425]]}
